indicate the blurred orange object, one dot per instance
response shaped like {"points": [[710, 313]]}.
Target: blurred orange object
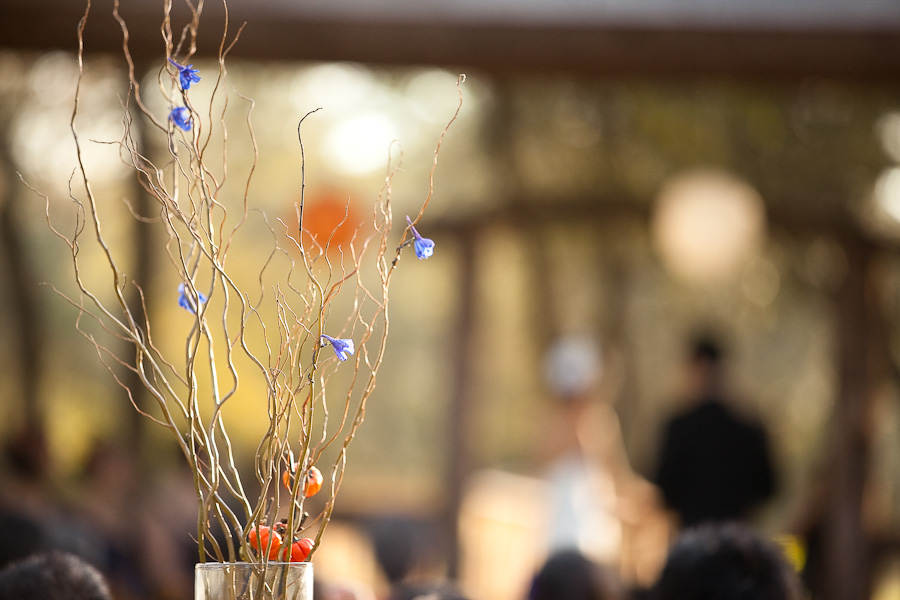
{"points": [[329, 220]]}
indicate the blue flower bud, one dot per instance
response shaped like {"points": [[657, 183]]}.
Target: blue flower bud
{"points": [[424, 246], [342, 348], [186, 75], [186, 302], [181, 116]]}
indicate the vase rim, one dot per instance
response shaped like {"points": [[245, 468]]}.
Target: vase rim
{"points": [[271, 563]]}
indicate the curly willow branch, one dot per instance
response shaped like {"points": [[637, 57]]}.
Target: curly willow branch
{"points": [[273, 339]]}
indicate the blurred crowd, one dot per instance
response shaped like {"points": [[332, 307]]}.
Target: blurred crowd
{"points": [[134, 530], [116, 535]]}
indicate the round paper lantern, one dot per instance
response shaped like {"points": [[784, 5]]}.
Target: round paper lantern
{"points": [[707, 224], [330, 221]]}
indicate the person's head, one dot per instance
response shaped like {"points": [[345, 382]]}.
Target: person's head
{"points": [[706, 349], [573, 368], [571, 575], [705, 359], [52, 576], [428, 591], [26, 456], [717, 561]]}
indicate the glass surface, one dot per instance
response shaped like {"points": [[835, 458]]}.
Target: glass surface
{"points": [[250, 581]]}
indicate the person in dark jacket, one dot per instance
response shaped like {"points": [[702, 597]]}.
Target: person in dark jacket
{"points": [[714, 465]]}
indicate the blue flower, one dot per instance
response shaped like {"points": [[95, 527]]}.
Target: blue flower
{"points": [[187, 302], [181, 116], [342, 348], [186, 75], [424, 246]]}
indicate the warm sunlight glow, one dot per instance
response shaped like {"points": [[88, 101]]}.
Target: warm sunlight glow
{"points": [[360, 144]]}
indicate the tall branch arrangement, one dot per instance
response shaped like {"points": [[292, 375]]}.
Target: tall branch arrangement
{"points": [[318, 324]]}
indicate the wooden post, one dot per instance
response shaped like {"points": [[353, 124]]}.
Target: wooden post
{"points": [[21, 277], [459, 457], [143, 275], [846, 547]]}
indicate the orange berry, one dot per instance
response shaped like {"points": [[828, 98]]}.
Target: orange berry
{"points": [[259, 540], [313, 482], [301, 549]]}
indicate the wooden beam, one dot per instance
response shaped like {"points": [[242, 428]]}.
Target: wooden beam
{"points": [[592, 49]]}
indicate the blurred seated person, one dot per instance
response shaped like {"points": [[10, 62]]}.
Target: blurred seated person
{"points": [[569, 575], [427, 591], [52, 576], [714, 464], [25, 507], [726, 560]]}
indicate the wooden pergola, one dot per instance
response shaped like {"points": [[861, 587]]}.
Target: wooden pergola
{"points": [[864, 50]]}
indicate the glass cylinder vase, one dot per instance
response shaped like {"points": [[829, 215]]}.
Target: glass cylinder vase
{"points": [[252, 581]]}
